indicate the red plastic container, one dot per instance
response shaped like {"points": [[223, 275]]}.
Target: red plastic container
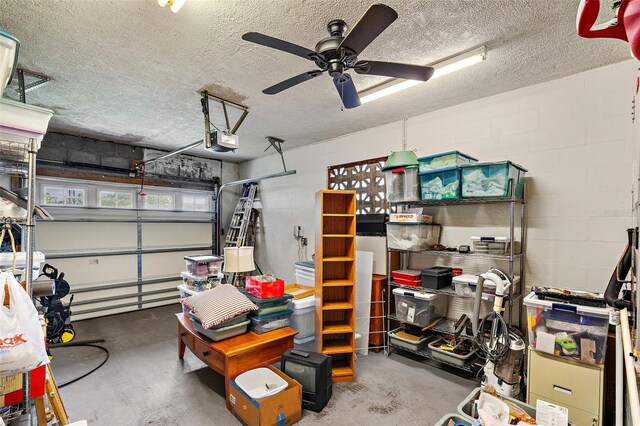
{"points": [[406, 274], [408, 282], [264, 289]]}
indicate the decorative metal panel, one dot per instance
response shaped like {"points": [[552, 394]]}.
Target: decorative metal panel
{"points": [[367, 179]]}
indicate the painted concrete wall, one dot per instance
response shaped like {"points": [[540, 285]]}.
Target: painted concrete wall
{"points": [[574, 135]]}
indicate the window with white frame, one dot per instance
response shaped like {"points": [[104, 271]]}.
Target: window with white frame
{"points": [[159, 202], [116, 199], [59, 196], [195, 203]]}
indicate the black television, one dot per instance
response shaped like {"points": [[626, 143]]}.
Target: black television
{"points": [[313, 371]]}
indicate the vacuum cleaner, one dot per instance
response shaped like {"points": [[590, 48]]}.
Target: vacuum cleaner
{"points": [[502, 347]]}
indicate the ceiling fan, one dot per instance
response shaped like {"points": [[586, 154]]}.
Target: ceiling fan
{"points": [[338, 53]]}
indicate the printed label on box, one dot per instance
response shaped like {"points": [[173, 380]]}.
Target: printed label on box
{"points": [[551, 415], [232, 399], [411, 314]]}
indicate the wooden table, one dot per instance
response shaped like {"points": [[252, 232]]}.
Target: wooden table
{"points": [[236, 355]]}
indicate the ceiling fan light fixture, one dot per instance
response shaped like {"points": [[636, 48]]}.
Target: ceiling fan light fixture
{"points": [[442, 68]]}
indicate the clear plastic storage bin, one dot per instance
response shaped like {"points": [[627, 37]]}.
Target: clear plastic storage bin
{"points": [[198, 283], [402, 184], [412, 236], [265, 323], [418, 308], [203, 266], [443, 184], [567, 330], [487, 180], [303, 317], [444, 160]]}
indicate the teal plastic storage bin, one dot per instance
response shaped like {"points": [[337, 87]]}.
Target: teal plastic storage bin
{"points": [[442, 184], [492, 180], [444, 160]]}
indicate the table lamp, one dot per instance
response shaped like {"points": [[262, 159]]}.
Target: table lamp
{"points": [[239, 261]]}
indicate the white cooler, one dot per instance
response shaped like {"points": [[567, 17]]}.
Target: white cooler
{"points": [[306, 273]]}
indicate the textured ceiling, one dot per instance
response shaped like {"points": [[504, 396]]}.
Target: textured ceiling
{"points": [[130, 70]]}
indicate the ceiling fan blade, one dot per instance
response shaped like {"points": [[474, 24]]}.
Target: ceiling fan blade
{"points": [[392, 69], [374, 21], [283, 85], [347, 91], [276, 43]]}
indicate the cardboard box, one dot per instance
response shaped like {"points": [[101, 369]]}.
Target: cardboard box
{"points": [[11, 386], [284, 408], [410, 218]]}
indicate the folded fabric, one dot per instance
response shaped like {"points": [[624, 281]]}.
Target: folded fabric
{"points": [[219, 304]]}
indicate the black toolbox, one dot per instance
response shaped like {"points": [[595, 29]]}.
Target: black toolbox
{"points": [[436, 278]]}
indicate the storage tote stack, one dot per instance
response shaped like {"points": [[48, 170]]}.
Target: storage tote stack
{"points": [[306, 273], [303, 318], [267, 292], [203, 273]]}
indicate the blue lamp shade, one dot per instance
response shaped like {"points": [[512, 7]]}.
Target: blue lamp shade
{"points": [[9, 46]]}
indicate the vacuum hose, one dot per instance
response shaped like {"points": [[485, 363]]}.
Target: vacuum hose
{"points": [[611, 294]]}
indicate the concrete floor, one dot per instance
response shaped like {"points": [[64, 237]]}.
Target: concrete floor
{"points": [[144, 383]]}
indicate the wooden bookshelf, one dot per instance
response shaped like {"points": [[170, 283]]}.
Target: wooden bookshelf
{"points": [[335, 280]]}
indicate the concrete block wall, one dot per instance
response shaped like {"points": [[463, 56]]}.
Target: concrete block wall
{"points": [[574, 135]]}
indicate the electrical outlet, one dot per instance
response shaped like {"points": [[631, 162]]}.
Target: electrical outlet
{"points": [[304, 241], [297, 231]]}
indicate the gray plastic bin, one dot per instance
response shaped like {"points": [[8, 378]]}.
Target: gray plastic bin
{"points": [[218, 334], [408, 344], [466, 406]]}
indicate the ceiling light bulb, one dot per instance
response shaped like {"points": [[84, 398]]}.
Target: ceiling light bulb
{"points": [[176, 5], [444, 67]]}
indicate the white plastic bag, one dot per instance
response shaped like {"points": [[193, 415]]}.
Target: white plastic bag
{"points": [[22, 345]]}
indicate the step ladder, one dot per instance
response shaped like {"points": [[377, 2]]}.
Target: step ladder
{"points": [[241, 220], [237, 233]]}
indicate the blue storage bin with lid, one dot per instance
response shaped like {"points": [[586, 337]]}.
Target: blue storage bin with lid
{"points": [[444, 160], [492, 180], [442, 184]]}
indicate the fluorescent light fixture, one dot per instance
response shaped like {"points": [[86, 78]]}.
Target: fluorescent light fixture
{"points": [[175, 5], [442, 67]]}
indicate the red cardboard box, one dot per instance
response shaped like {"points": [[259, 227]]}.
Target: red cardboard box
{"points": [[11, 386], [264, 289], [283, 408]]}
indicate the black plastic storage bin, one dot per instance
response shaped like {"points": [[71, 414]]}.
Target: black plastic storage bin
{"points": [[436, 278]]}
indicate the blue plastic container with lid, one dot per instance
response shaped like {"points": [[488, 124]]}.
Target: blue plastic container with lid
{"points": [[444, 160], [492, 180], [441, 184]]}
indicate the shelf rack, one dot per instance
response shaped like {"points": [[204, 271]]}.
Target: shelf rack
{"points": [[445, 325], [20, 158], [335, 280]]}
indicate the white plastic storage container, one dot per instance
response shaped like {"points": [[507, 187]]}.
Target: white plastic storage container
{"points": [[567, 330], [6, 262], [260, 383], [303, 317], [305, 273], [419, 308], [412, 236], [402, 184]]}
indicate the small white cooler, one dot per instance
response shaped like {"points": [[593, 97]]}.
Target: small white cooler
{"points": [[306, 273], [303, 319]]}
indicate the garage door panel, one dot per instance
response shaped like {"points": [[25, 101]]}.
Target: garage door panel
{"points": [[176, 235], [73, 237]]}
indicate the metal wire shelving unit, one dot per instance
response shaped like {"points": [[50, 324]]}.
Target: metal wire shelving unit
{"points": [[20, 158], [515, 261]]}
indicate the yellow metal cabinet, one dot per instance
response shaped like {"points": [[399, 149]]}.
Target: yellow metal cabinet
{"points": [[574, 385]]}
